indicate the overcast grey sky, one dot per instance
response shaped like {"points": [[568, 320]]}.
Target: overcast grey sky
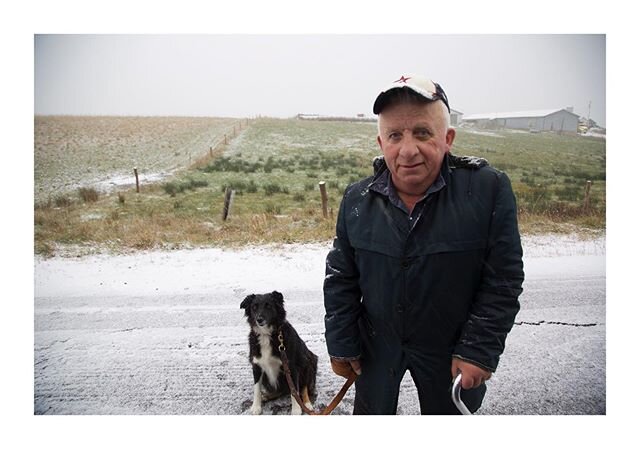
{"points": [[282, 75]]}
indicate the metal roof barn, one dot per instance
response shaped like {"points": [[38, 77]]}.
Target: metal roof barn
{"points": [[541, 120]]}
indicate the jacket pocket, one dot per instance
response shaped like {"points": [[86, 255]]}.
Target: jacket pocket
{"points": [[390, 249], [366, 326], [427, 248]]}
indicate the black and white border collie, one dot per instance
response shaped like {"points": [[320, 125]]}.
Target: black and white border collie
{"points": [[266, 316]]}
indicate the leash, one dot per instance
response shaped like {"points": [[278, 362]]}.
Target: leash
{"points": [[294, 391]]}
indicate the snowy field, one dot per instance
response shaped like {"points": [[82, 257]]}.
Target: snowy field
{"points": [[162, 332], [101, 152]]}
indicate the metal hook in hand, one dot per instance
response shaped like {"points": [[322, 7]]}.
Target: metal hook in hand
{"points": [[455, 395]]}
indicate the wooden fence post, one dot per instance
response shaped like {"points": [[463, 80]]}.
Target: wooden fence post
{"points": [[228, 199], [587, 191], [323, 195], [135, 172]]}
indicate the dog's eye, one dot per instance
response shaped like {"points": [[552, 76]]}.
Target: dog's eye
{"points": [[267, 306]]}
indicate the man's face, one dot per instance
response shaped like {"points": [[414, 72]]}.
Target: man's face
{"points": [[414, 140]]}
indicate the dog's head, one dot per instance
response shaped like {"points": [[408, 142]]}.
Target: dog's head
{"points": [[264, 310]]}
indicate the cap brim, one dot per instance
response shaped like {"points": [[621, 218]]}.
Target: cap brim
{"points": [[382, 100]]}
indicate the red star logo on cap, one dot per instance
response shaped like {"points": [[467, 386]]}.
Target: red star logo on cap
{"points": [[402, 79]]}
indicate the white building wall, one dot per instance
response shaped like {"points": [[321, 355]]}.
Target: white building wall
{"points": [[558, 121], [561, 121], [520, 123], [455, 118]]}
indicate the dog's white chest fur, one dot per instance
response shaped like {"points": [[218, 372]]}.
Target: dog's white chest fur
{"points": [[268, 362]]}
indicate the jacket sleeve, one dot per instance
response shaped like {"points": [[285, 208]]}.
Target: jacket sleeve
{"points": [[342, 295], [495, 305]]}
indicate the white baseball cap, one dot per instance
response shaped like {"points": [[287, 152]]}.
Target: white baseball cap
{"points": [[420, 85]]}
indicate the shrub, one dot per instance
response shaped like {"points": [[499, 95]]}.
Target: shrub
{"points": [[252, 187], [236, 165], [62, 201], [171, 188], [193, 184], [88, 194], [240, 187], [272, 188], [570, 193], [273, 209]]}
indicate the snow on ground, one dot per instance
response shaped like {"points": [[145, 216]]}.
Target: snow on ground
{"points": [[259, 268], [482, 133], [552, 245], [195, 271], [129, 180], [161, 332]]}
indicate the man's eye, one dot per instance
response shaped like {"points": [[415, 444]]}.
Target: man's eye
{"points": [[394, 136], [422, 133]]}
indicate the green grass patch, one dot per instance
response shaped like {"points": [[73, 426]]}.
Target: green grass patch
{"points": [[275, 168]]}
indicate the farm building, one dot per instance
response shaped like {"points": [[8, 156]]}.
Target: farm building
{"points": [[456, 117], [544, 120]]}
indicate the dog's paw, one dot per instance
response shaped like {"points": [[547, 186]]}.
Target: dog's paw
{"points": [[309, 405], [256, 409]]}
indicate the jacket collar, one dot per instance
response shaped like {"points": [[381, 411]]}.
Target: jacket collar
{"points": [[382, 184]]}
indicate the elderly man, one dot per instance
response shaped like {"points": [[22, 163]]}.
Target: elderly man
{"points": [[426, 267]]}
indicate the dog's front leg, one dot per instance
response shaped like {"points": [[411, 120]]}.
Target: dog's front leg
{"points": [[295, 407], [256, 407]]}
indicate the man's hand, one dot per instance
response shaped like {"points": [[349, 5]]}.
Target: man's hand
{"points": [[345, 367], [472, 375]]}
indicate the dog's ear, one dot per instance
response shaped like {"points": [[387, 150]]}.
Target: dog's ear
{"points": [[278, 296], [246, 302]]}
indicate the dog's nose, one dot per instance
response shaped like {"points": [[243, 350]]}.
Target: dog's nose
{"points": [[260, 321]]}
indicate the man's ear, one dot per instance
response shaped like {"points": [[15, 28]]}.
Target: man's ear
{"points": [[379, 140], [450, 137], [246, 302]]}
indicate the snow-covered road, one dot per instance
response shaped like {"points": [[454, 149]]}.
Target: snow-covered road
{"points": [[162, 332]]}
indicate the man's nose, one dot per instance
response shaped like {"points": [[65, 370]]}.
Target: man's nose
{"points": [[408, 146]]}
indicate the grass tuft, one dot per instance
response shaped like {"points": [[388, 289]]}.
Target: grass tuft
{"points": [[88, 194]]}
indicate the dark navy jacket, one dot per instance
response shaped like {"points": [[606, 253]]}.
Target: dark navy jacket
{"points": [[446, 283]]}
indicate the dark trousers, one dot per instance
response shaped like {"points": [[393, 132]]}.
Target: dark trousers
{"points": [[378, 387]]}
